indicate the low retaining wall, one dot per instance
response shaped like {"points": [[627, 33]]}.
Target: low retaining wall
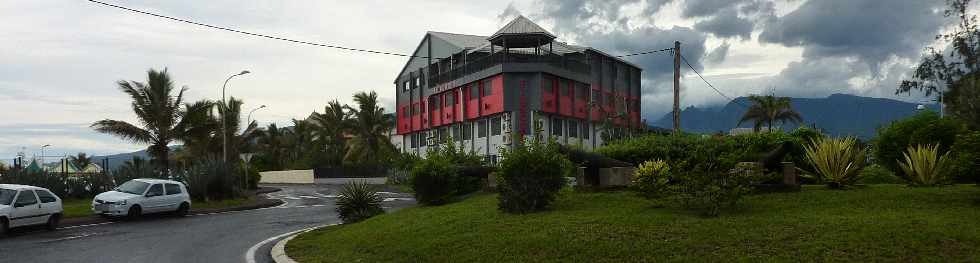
{"points": [[608, 177], [287, 177]]}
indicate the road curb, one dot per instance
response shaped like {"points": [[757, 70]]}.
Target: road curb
{"points": [[261, 203], [278, 251]]}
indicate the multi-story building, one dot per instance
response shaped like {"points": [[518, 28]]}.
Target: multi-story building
{"points": [[483, 92]]}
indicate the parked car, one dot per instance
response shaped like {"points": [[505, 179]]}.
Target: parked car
{"points": [[24, 205], [143, 196]]}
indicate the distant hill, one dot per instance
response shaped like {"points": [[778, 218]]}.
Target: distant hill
{"points": [[117, 160], [838, 115]]}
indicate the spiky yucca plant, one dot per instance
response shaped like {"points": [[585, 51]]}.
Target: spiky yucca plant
{"points": [[923, 166], [651, 178], [835, 161], [358, 201]]}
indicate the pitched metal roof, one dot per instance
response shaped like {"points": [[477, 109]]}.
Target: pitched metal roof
{"points": [[461, 40], [521, 25]]}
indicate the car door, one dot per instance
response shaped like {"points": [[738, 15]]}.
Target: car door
{"points": [[174, 196], [49, 203], [26, 210], [155, 200]]}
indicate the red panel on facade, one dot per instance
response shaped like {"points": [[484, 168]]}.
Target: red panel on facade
{"points": [[416, 117], [598, 106], [425, 113], [472, 100], [436, 109], [402, 121], [566, 91], [581, 99], [549, 102], [448, 107], [494, 103]]}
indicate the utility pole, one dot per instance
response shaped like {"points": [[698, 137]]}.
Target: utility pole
{"points": [[677, 87]]}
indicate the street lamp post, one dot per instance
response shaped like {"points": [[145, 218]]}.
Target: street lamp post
{"points": [[224, 109], [42, 154], [248, 121]]}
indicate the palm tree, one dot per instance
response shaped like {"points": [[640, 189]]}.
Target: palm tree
{"points": [[237, 141], [769, 109], [332, 127], [370, 129], [272, 145], [81, 160], [160, 115], [299, 139]]}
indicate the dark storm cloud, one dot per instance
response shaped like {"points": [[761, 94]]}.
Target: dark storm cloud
{"points": [[871, 30], [508, 13], [727, 24], [573, 16], [700, 8], [718, 54]]}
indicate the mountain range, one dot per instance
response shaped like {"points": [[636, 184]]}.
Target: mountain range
{"points": [[837, 115]]}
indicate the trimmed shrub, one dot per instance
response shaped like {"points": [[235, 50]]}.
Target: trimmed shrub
{"points": [[434, 181], [920, 129], [924, 166], [837, 162], [651, 178], [877, 174], [212, 179], [531, 175], [358, 201]]}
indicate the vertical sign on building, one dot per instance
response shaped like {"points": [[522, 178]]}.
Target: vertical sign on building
{"points": [[523, 108]]}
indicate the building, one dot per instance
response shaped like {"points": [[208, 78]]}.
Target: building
{"points": [[483, 92]]}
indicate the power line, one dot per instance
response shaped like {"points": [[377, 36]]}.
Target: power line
{"points": [[300, 41], [709, 83]]}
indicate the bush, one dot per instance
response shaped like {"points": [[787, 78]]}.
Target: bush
{"points": [[965, 157], [212, 179], [74, 186], [837, 162], [434, 181], [924, 166], [708, 182], [531, 176], [358, 201], [877, 174], [920, 129], [651, 178]]}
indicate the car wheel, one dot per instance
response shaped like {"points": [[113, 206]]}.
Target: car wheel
{"points": [[183, 209], [53, 222], [134, 212], [4, 227]]}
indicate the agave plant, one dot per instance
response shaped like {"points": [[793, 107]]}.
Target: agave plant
{"points": [[924, 166], [835, 161], [358, 201]]}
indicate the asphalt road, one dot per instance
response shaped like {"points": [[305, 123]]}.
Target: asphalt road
{"points": [[225, 237]]}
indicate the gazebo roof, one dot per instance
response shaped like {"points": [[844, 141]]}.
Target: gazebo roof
{"points": [[521, 32]]}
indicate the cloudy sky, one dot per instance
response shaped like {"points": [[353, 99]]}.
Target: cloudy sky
{"points": [[61, 58]]}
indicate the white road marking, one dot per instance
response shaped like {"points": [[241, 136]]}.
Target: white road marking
{"points": [[308, 197], [86, 225], [389, 199], [250, 254], [72, 237]]}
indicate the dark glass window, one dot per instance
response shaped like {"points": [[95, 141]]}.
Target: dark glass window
{"points": [[556, 127], [474, 91], [572, 129], [450, 99], [155, 190], [481, 128], [564, 88], [172, 189], [547, 85], [583, 92], [495, 126], [467, 131], [596, 96], [487, 87], [585, 130], [26, 198], [414, 142], [45, 196]]}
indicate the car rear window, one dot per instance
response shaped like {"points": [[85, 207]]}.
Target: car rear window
{"points": [[45, 196], [26, 198], [172, 189], [155, 190]]}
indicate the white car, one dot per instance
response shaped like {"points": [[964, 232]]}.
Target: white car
{"points": [[24, 205], [143, 196]]}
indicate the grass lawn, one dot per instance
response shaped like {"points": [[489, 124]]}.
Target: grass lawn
{"points": [[880, 222], [83, 207]]}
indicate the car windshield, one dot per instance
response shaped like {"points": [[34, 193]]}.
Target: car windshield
{"points": [[133, 187], [6, 196]]}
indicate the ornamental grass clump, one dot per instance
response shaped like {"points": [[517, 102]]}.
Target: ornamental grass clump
{"points": [[924, 166], [358, 201], [837, 162]]}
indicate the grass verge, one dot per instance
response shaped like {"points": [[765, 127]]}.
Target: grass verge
{"points": [[83, 207], [881, 222]]}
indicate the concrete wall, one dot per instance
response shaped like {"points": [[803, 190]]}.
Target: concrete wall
{"points": [[287, 177]]}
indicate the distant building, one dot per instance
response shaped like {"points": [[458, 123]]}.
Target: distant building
{"points": [[482, 92]]}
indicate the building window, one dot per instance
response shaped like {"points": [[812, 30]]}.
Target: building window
{"points": [[415, 140], [565, 88], [487, 87], [450, 99], [547, 86], [583, 92], [556, 127], [418, 82], [467, 131], [434, 103], [415, 109], [443, 133], [585, 130], [572, 129], [481, 129], [405, 86], [474, 91], [495, 126], [596, 96]]}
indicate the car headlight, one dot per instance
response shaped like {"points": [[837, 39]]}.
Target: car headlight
{"points": [[122, 202]]}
